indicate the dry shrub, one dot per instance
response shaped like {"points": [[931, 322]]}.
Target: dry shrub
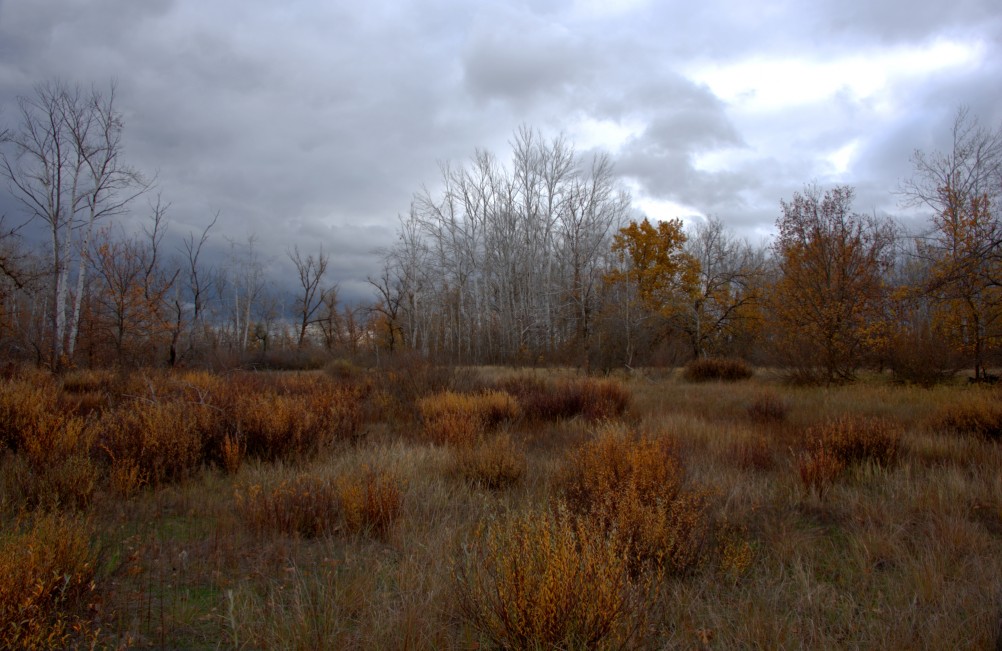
{"points": [[546, 581], [721, 369], [368, 502], [23, 405], [301, 422], [306, 506], [753, 453], [54, 467], [980, 417], [635, 487], [233, 451], [768, 407], [559, 400], [857, 439], [88, 381], [494, 463], [48, 572], [460, 418], [818, 470], [603, 399], [160, 441]]}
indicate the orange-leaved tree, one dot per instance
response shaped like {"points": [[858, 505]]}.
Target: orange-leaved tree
{"points": [[827, 301], [657, 273]]}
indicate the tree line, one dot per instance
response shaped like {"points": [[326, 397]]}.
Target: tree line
{"points": [[535, 258]]}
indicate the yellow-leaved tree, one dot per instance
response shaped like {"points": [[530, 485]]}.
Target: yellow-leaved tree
{"points": [[655, 277]]}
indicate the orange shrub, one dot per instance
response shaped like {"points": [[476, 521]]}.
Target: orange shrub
{"points": [[370, 502], [460, 418], [305, 506], [974, 417], [856, 439], [48, 572], [160, 441], [309, 506], [494, 463], [23, 405], [545, 581], [635, 487]]}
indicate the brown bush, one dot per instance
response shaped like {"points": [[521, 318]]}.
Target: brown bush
{"points": [[23, 405], [545, 581], [297, 423], [768, 407], [818, 470], [159, 441], [754, 454], [494, 463], [974, 417], [305, 506], [856, 439], [310, 506], [370, 502], [48, 572], [564, 399], [635, 487], [461, 418], [721, 369]]}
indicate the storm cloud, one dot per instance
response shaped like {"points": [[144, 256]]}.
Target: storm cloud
{"points": [[311, 122]]}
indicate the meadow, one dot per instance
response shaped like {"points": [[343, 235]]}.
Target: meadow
{"points": [[420, 507]]}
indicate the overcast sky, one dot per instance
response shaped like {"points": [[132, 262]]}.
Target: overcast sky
{"points": [[310, 121]]}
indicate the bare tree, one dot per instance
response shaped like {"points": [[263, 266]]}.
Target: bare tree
{"points": [[963, 250], [727, 290], [63, 164], [311, 271]]}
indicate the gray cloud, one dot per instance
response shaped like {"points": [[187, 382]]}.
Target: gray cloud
{"points": [[307, 122]]}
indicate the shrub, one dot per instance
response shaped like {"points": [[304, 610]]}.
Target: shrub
{"points": [[977, 417], [23, 405], [370, 502], [754, 454], [460, 418], [856, 439], [48, 572], [706, 369], [495, 463], [310, 506], [298, 423], [818, 470], [158, 441], [768, 407], [550, 401], [305, 506], [545, 581], [635, 487]]}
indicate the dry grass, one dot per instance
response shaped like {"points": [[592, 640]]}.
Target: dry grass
{"points": [[860, 516]]}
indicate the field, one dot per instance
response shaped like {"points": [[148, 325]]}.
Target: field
{"points": [[417, 507]]}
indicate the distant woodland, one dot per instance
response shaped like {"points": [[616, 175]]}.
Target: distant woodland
{"points": [[535, 256]]}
